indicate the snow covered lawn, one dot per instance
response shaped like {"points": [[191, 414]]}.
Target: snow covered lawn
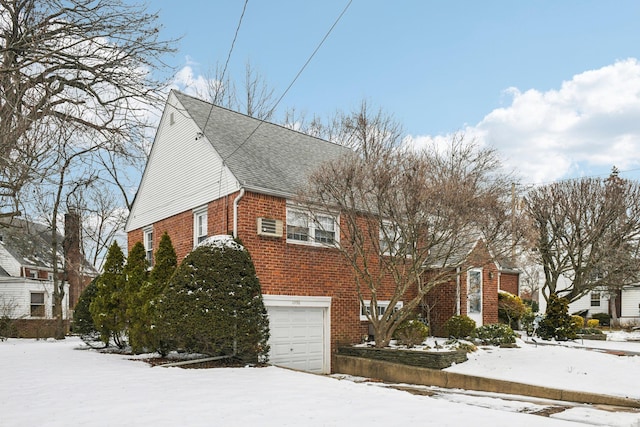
{"points": [[48, 383]]}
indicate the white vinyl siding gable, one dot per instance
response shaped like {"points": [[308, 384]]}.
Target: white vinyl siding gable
{"points": [[183, 171], [9, 263]]}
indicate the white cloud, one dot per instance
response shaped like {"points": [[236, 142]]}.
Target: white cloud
{"points": [[185, 80], [590, 124]]}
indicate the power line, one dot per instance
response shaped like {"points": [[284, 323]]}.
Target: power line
{"points": [[294, 79], [226, 63]]}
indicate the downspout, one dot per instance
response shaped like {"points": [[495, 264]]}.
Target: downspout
{"points": [[235, 212], [458, 291]]}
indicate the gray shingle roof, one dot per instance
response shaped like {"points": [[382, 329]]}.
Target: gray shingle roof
{"points": [[30, 244], [261, 155]]}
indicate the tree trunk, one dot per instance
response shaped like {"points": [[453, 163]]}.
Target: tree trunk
{"points": [[612, 309]]}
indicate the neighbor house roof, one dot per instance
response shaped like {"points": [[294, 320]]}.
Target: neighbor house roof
{"points": [[29, 243], [262, 156]]}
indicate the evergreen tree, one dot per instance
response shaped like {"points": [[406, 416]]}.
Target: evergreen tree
{"points": [[165, 265], [108, 309], [136, 277], [557, 321], [82, 321], [166, 262], [213, 304]]}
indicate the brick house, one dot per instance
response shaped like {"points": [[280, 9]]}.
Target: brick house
{"points": [[474, 292], [214, 171], [26, 274]]}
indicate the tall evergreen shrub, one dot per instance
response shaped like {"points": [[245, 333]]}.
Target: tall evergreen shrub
{"points": [[108, 308], [165, 265], [213, 304], [82, 321], [136, 276]]}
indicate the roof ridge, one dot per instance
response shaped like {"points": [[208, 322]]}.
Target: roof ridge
{"points": [[256, 119]]}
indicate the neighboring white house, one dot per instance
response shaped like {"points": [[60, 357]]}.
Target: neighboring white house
{"points": [[27, 273], [597, 301]]}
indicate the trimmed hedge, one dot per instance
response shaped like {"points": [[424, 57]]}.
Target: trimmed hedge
{"points": [[459, 326], [213, 305]]}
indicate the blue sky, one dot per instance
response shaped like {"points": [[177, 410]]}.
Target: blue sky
{"points": [[553, 85]]}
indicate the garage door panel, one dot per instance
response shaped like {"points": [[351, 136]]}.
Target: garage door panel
{"points": [[297, 337]]}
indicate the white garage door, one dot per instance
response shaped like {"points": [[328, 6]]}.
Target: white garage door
{"points": [[297, 337]]}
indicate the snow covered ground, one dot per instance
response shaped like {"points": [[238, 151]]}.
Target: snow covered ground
{"points": [[49, 383]]}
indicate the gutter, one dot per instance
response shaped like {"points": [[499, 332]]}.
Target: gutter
{"points": [[235, 212]]}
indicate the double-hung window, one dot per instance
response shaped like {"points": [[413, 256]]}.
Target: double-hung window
{"points": [[148, 245], [391, 241], [595, 299], [37, 304], [311, 228], [199, 225]]}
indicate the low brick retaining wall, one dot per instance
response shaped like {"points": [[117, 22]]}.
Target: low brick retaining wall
{"points": [[397, 373], [420, 358]]}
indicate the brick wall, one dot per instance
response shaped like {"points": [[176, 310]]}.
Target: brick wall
{"points": [[442, 299], [509, 282], [283, 268]]}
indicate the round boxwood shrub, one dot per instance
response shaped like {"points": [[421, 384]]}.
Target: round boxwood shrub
{"points": [[411, 332], [213, 304], [495, 334], [459, 326]]}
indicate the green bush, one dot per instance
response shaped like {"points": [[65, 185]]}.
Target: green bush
{"points": [[603, 318], [411, 332], [213, 305], [495, 334], [137, 278], [593, 323], [108, 307], [590, 331], [533, 305], [527, 322], [510, 309], [557, 323], [82, 321], [578, 321], [459, 326]]}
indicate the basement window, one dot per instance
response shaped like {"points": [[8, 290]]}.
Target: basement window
{"points": [[382, 308]]}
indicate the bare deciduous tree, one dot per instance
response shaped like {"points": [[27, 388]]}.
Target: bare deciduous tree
{"points": [[587, 230], [256, 99], [76, 80], [84, 64], [403, 213]]}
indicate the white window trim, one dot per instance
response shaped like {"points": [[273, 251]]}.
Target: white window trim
{"points": [[43, 304], [145, 232], [313, 226], [381, 304], [479, 271], [199, 213]]}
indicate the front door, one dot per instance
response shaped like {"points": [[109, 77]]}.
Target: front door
{"points": [[474, 295]]}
